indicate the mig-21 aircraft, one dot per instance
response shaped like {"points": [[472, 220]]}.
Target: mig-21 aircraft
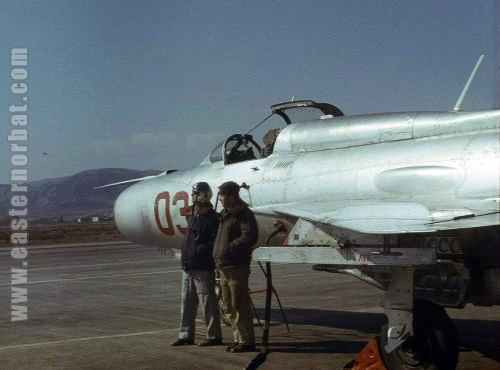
{"points": [[406, 202]]}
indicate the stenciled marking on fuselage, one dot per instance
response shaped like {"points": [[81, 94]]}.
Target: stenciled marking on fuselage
{"points": [[355, 256], [169, 230]]}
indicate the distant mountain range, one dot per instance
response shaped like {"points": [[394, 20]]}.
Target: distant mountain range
{"points": [[73, 195]]}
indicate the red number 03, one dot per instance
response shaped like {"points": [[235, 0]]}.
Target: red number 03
{"points": [[179, 196]]}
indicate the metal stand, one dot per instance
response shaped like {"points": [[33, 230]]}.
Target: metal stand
{"points": [[267, 314], [254, 310], [264, 350], [267, 274]]}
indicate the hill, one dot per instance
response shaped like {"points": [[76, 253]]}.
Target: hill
{"points": [[73, 195]]}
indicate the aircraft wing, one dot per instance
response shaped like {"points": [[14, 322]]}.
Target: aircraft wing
{"points": [[129, 181], [387, 218]]}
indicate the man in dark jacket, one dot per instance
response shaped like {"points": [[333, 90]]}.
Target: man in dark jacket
{"points": [[232, 253], [198, 277]]}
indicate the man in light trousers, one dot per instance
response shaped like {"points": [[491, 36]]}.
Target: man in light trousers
{"points": [[198, 277]]}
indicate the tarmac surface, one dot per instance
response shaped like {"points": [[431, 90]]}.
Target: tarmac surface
{"points": [[116, 306]]}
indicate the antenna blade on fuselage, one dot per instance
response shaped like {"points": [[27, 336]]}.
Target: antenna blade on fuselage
{"points": [[458, 104]]}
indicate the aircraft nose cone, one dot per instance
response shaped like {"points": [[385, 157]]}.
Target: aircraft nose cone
{"points": [[128, 214]]}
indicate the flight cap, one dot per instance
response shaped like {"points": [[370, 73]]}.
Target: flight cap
{"points": [[202, 187], [229, 188]]}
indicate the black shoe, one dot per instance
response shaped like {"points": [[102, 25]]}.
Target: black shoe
{"points": [[210, 342], [229, 347], [182, 342], [243, 348]]}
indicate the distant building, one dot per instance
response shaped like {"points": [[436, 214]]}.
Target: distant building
{"points": [[90, 219]]}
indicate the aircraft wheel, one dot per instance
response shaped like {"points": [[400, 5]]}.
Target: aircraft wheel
{"points": [[434, 345]]}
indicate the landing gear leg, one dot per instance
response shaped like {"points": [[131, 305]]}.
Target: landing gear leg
{"points": [[433, 345], [398, 305], [398, 308], [419, 335]]}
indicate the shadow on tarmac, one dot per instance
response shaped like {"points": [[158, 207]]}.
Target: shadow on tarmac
{"points": [[325, 346], [369, 323], [482, 336]]}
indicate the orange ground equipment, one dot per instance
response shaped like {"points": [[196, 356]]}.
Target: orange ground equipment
{"points": [[368, 359]]}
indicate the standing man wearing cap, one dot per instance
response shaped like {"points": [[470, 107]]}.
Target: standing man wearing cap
{"points": [[198, 277], [232, 253]]}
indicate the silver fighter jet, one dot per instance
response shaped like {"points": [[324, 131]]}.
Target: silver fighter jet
{"points": [[407, 202]]}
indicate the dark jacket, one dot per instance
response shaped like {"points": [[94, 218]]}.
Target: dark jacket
{"points": [[236, 236], [196, 251]]}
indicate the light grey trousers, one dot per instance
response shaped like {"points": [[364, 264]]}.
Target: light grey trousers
{"points": [[198, 286]]}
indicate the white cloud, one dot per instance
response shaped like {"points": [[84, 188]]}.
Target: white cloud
{"points": [[143, 147], [195, 140], [153, 140], [106, 146]]}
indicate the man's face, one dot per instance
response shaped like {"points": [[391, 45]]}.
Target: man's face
{"points": [[195, 196], [227, 200]]}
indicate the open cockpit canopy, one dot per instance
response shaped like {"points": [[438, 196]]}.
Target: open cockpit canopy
{"points": [[243, 147], [305, 110]]}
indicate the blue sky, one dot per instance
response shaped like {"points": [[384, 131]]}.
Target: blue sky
{"points": [[155, 84]]}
